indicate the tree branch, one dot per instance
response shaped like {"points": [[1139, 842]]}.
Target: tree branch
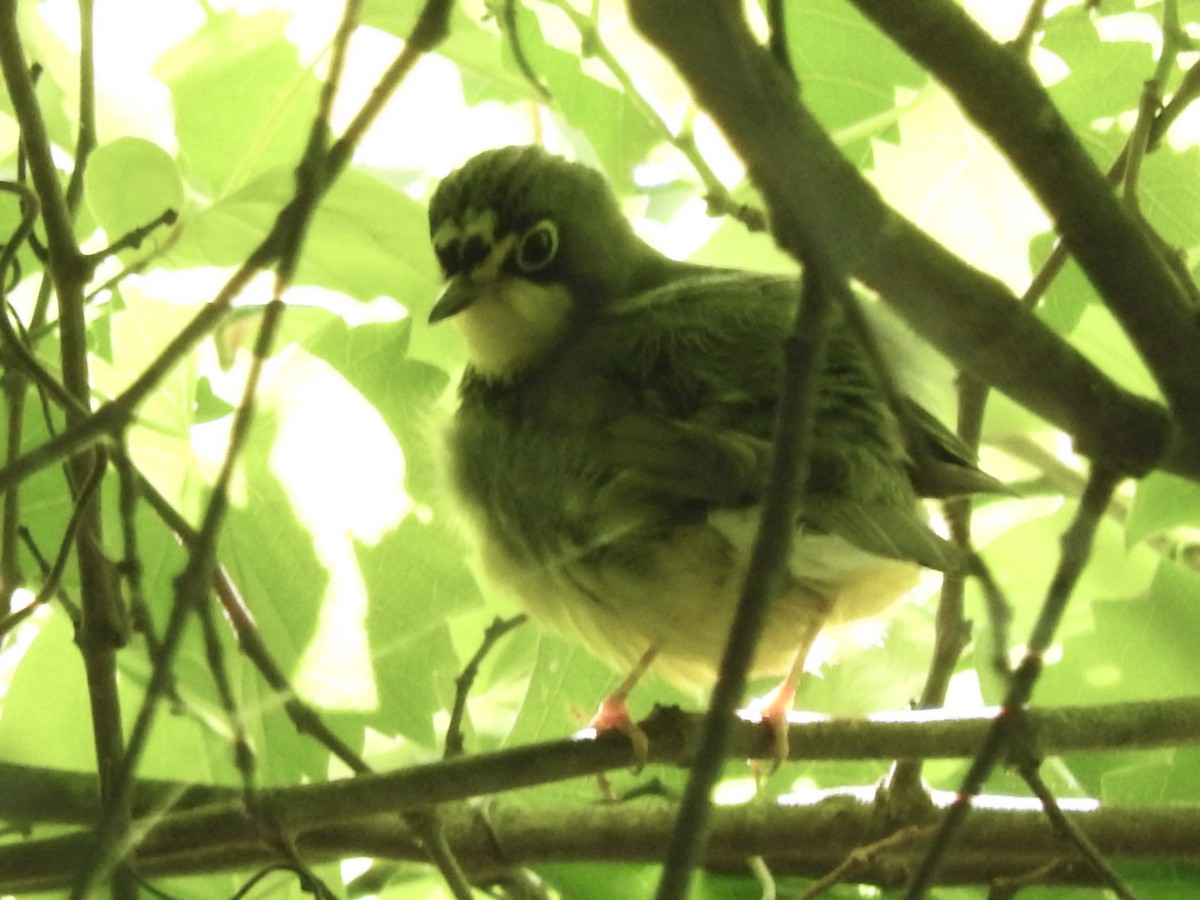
{"points": [[39, 795], [804, 839], [815, 195], [1000, 93]]}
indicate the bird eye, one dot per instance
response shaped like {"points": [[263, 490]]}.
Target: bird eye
{"points": [[538, 246]]}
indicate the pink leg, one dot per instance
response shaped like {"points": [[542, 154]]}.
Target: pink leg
{"points": [[772, 709], [613, 714]]}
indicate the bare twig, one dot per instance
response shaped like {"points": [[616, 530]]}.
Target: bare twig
{"points": [[102, 628], [134, 238], [804, 355], [70, 607], [806, 840], [778, 42], [38, 795], [14, 394], [1023, 42], [1072, 832], [466, 680], [52, 578], [862, 857], [508, 27], [1077, 542], [720, 200], [243, 753]]}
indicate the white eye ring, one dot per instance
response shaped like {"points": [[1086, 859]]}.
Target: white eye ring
{"points": [[538, 246]]}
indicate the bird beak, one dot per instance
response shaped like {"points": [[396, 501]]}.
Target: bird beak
{"points": [[459, 293]]}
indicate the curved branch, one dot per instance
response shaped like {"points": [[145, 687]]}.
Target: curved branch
{"points": [[40, 795], [805, 839], [1000, 93], [820, 206]]}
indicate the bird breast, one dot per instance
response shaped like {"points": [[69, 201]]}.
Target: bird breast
{"points": [[512, 323]]}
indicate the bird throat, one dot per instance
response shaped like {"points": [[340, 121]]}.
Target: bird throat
{"points": [[512, 325]]}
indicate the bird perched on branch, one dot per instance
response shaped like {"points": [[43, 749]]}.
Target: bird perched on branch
{"points": [[614, 434]]}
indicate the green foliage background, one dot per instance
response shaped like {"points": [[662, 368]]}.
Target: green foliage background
{"points": [[336, 540]]}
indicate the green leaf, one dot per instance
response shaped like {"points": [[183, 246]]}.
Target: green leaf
{"points": [[1067, 298], [405, 392], [823, 35], [616, 128], [1106, 76], [415, 577], [130, 183], [366, 240], [1140, 648], [415, 580], [271, 556], [243, 105], [1162, 502], [209, 406], [477, 52], [47, 702]]}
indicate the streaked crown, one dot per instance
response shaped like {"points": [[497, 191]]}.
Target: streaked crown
{"points": [[552, 220]]}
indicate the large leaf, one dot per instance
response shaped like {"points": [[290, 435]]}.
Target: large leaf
{"points": [[366, 240], [243, 104]]}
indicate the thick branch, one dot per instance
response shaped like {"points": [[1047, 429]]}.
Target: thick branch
{"points": [[1001, 94], [816, 197], [38, 795], [806, 839]]}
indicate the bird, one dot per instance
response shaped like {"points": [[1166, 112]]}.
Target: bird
{"points": [[612, 442]]}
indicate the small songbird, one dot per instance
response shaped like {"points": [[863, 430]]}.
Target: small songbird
{"points": [[613, 437]]}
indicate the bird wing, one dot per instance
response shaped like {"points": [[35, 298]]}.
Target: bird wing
{"points": [[695, 369]]}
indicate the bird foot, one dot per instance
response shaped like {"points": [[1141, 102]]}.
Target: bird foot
{"points": [[772, 711], [613, 715]]}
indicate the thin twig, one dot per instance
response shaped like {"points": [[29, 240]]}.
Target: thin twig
{"points": [[134, 239], [1076, 547], [466, 680], [14, 394], [102, 627], [53, 577], [70, 607], [777, 42], [1023, 42], [804, 355], [508, 27], [862, 857], [214, 655], [1072, 832], [720, 200]]}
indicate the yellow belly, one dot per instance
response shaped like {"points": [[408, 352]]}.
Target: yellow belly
{"points": [[683, 599]]}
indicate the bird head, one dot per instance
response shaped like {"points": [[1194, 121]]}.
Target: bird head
{"points": [[529, 244]]}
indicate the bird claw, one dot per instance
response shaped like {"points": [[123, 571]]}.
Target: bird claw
{"points": [[772, 711], [613, 715]]}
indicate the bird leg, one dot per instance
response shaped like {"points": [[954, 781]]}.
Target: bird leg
{"points": [[772, 709], [613, 714]]}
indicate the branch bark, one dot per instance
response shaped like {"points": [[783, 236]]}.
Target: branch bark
{"points": [[816, 197], [36, 795], [807, 840], [1001, 94]]}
